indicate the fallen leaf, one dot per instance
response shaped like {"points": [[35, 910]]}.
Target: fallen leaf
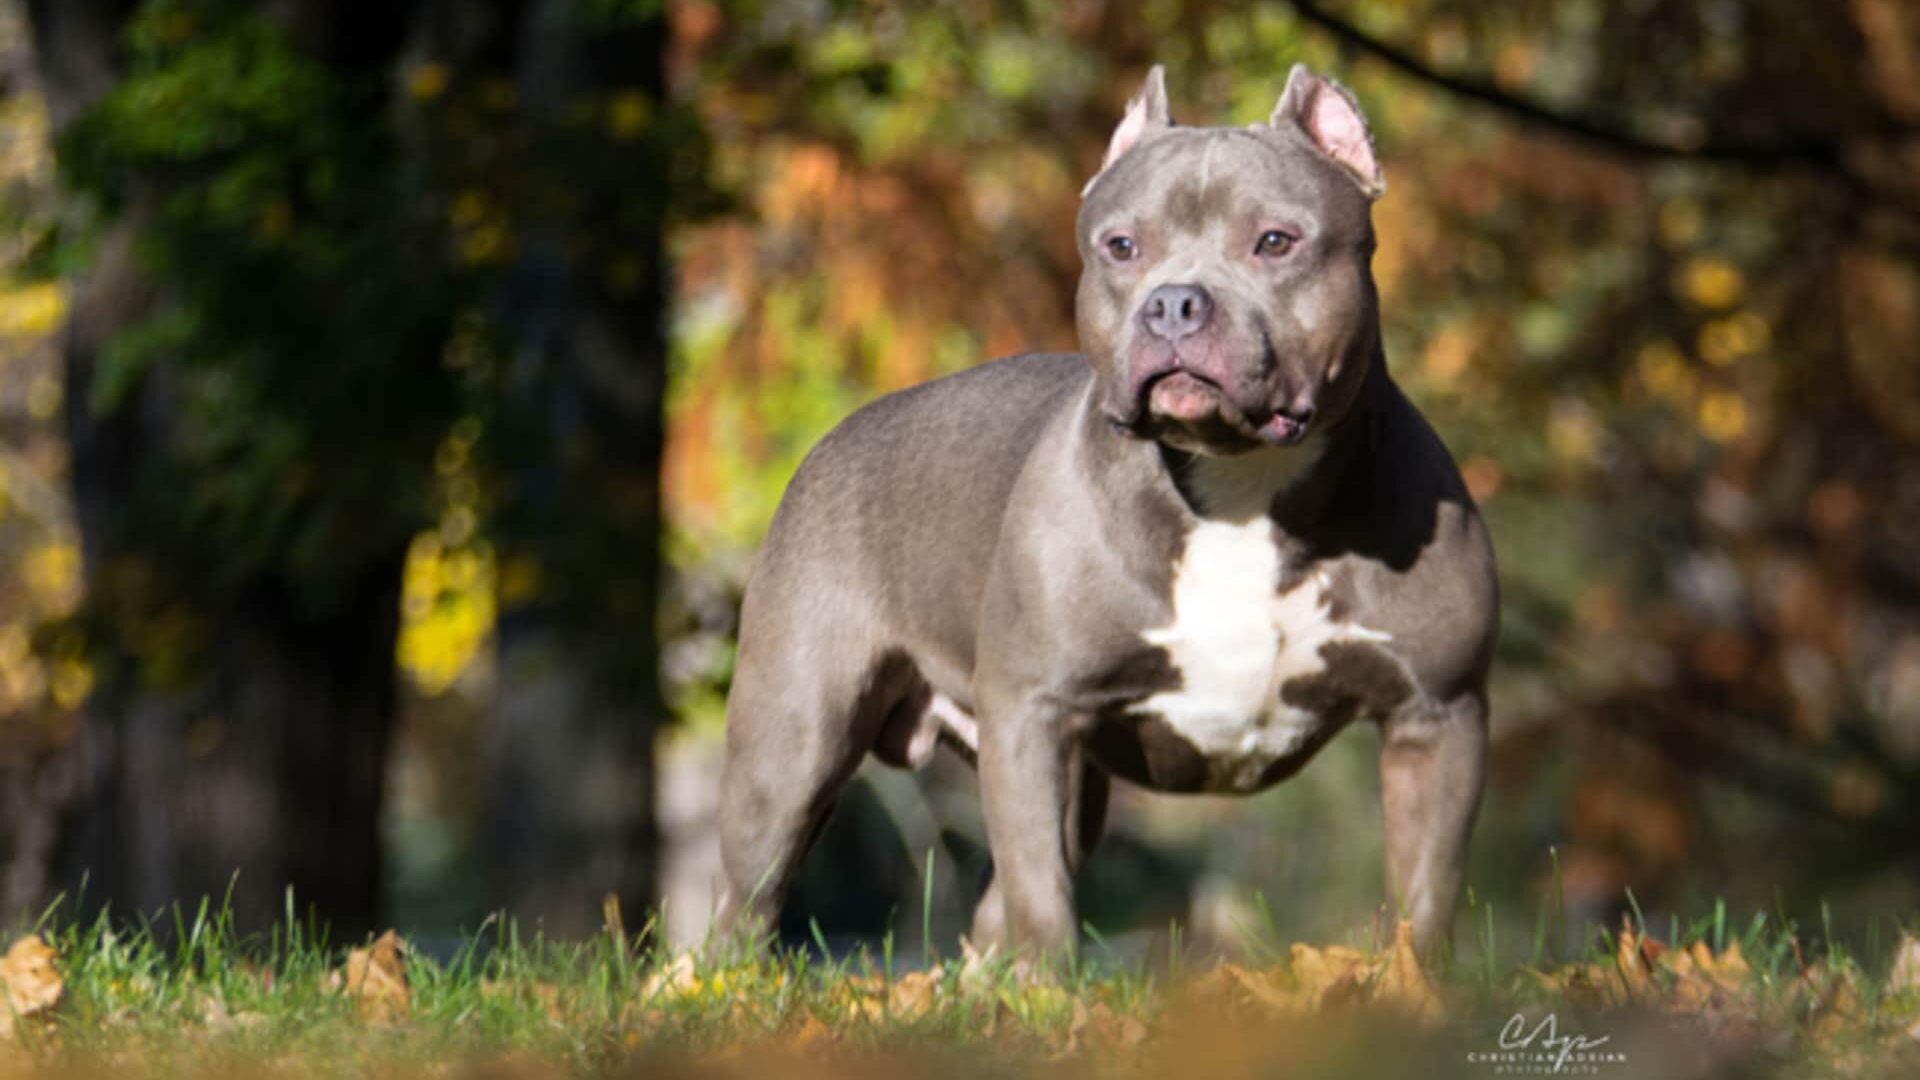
{"points": [[1403, 985], [376, 978], [913, 995], [1838, 1009], [1257, 986], [1905, 975], [1108, 1028], [811, 1036], [1328, 976], [1636, 956], [676, 980], [615, 924], [33, 984]]}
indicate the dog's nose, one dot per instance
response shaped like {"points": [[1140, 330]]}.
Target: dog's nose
{"points": [[1175, 311]]}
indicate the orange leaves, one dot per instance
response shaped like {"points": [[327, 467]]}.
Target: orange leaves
{"points": [[31, 982], [376, 978], [1646, 972], [1321, 979]]}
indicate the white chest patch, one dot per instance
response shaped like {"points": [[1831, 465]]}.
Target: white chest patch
{"points": [[1236, 642]]}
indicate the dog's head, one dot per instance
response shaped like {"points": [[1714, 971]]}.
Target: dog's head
{"points": [[1226, 294]]}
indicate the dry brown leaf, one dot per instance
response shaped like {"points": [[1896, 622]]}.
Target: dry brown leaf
{"points": [[1403, 985], [1258, 986], [1839, 1009], [1592, 986], [1328, 976], [613, 922], [1108, 1028], [32, 982], [376, 978], [1905, 975], [811, 1036], [1636, 956], [677, 979], [913, 995], [1730, 969]]}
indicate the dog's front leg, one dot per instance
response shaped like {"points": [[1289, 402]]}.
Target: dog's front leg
{"points": [[1432, 766], [1030, 776]]}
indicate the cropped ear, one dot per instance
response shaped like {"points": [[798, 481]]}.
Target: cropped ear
{"points": [[1145, 113], [1332, 121]]}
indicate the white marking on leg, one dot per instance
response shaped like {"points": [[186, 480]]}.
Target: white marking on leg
{"points": [[956, 720]]}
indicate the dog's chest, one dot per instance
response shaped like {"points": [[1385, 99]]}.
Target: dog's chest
{"points": [[1237, 642]]}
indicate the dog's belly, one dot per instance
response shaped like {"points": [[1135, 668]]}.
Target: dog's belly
{"points": [[1255, 679]]}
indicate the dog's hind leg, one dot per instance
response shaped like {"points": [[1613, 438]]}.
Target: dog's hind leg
{"points": [[797, 728]]}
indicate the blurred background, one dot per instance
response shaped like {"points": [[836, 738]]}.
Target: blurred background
{"points": [[392, 396]]}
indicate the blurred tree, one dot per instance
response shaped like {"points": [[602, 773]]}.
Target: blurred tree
{"points": [[369, 288], [568, 199], [254, 392]]}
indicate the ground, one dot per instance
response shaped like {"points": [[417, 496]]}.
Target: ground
{"points": [[1710, 1000]]}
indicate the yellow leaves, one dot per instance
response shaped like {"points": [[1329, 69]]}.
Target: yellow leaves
{"points": [[25, 156], [376, 979], [1662, 369], [1573, 431], [70, 681], [1317, 979], [1681, 221], [1736, 337], [904, 999], [1720, 412], [1710, 282], [33, 310], [1448, 352], [44, 395], [447, 605], [31, 981], [484, 245], [1722, 415], [482, 232], [627, 114], [52, 574], [427, 81]]}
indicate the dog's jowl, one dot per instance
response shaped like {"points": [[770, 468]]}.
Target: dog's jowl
{"points": [[1186, 558]]}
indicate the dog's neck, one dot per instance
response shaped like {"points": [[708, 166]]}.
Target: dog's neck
{"points": [[1245, 486], [1290, 484]]}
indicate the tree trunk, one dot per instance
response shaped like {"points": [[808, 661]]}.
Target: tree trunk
{"points": [[261, 768], [571, 760]]}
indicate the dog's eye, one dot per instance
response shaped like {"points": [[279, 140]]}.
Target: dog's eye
{"points": [[1273, 242], [1121, 248]]}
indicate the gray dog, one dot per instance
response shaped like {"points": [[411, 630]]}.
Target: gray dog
{"points": [[1187, 558]]}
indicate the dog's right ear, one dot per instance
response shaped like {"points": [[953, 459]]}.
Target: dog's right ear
{"points": [[1145, 113]]}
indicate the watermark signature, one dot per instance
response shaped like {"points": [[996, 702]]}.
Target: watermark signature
{"points": [[1538, 1048]]}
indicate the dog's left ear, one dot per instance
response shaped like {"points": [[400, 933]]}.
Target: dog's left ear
{"points": [[1332, 120]]}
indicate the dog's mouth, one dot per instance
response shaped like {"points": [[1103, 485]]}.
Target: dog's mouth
{"points": [[1187, 399], [1183, 395]]}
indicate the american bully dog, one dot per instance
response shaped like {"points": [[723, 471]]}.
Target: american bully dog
{"points": [[1186, 558]]}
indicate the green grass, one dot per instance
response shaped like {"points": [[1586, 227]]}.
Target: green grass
{"points": [[188, 995]]}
